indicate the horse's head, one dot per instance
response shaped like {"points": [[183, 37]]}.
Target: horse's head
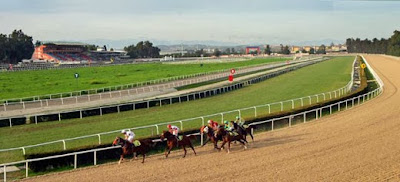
{"points": [[117, 141], [165, 134], [205, 129]]}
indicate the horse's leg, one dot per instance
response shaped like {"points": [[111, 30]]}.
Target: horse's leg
{"points": [[208, 139], [191, 146], [169, 151], [229, 147], [223, 143], [184, 149], [121, 158], [244, 144], [144, 156]]}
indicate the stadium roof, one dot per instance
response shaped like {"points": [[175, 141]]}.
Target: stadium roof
{"points": [[64, 43]]}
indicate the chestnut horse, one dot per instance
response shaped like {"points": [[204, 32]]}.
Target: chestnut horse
{"points": [[210, 136], [228, 138], [128, 148], [172, 142]]}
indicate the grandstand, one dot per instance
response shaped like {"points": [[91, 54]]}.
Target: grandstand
{"points": [[73, 53]]}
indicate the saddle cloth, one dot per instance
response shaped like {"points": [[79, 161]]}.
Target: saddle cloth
{"points": [[136, 143]]}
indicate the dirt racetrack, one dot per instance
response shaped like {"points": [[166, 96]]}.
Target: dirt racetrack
{"points": [[360, 144]]}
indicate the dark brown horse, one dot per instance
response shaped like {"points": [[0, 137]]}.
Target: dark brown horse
{"points": [[210, 136], [128, 148], [172, 142], [228, 138], [244, 131]]}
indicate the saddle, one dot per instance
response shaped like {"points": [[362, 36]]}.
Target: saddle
{"points": [[233, 133]]}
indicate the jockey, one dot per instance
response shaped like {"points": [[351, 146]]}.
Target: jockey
{"points": [[213, 125], [227, 126], [239, 121], [129, 135], [174, 130]]}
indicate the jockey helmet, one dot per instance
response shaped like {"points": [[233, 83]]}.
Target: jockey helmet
{"points": [[123, 131], [209, 121], [169, 126], [237, 117], [226, 122]]}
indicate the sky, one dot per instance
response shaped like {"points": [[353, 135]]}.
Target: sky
{"points": [[176, 21]]}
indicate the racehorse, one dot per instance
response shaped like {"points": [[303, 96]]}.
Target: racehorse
{"points": [[228, 138], [128, 148], [243, 131], [210, 136], [172, 142]]}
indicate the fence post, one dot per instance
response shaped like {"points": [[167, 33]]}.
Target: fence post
{"points": [[290, 120], [26, 169], [65, 147], [292, 104], [99, 138], [222, 117], [95, 158], [118, 109], [75, 160], [157, 129], [304, 117], [269, 109], [23, 105], [9, 119], [5, 108], [23, 150], [59, 116], [302, 104], [324, 96], [181, 125], [339, 106], [309, 98], [330, 109], [272, 124], [317, 98], [5, 173], [281, 106], [101, 111], [255, 111], [80, 114]]}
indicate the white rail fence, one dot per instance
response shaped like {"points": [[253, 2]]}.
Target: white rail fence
{"points": [[131, 89], [132, 105], [290, 104], [341, 105], [126, 86]]}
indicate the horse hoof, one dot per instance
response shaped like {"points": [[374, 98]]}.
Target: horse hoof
{"points": [[245, 147]]}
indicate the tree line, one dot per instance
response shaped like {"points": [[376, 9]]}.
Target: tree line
{"points": [[15, 47], [390, 46], [143, 50]]}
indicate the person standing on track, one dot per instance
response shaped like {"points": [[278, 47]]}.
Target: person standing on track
{"points": [[129, 135], [174, 130]]}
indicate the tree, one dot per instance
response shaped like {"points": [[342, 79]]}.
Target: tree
{"points": [[304, 51], [217, 52], [15, 47], [394, 44], [285, 50], [233, 51], [268, 50], [143, 50], [312, 50], [227, 51], [321, 49], [38, 43]]}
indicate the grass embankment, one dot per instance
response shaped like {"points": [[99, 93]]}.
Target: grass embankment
{"points": [[43, 82], [318, 78]]}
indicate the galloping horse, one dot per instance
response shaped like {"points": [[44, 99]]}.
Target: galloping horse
{"points": [[227, 138], [210, 136], [243, 131], [172, 142], [128, 148]]}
